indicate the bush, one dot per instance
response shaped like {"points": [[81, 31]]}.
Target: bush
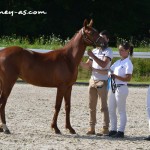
{"points": [[141, 72]]}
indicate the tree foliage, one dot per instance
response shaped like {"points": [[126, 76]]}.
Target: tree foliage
{"points": [[123, 18]]}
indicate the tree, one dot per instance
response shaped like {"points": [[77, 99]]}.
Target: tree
{"points": [[123, 18]]}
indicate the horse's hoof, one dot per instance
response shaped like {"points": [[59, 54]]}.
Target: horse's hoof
{"points": [[72, 131], [57, 132], [7, 132]]}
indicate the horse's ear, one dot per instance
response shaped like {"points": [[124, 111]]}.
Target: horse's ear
{"points": [[91, 23], [85, 23]]}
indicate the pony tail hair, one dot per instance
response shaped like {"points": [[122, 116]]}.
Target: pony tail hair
{"points": [[131, 50]]}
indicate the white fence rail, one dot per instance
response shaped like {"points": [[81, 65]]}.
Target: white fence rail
{"points": [[135, 54], [116, 54]]}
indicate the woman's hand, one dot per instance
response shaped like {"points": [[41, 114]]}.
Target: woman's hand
{"points": [[90, 53], [113, 75]]}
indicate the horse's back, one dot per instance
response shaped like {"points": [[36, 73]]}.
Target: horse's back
{"points": [[41, 69], [11, 57], [10, 50], [11, 53]]}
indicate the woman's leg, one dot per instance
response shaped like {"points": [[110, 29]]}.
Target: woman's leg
{"points": [[112, 111], [92, 106], [121, 95]]}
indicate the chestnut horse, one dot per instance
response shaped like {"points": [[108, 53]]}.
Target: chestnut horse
{"points": [[57, 68]]}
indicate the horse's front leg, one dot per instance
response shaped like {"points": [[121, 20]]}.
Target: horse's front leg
{"points": [[59, 97], [67, 108]]}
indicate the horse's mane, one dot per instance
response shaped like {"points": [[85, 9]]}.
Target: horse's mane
{"points": [[69, 42]]}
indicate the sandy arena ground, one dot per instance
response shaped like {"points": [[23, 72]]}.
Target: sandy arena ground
{"points": [[30, 109]]}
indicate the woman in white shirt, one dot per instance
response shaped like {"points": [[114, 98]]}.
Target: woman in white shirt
{"points": [[121, 72]]}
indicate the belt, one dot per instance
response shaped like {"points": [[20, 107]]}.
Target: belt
{"points": [[119, 85]]}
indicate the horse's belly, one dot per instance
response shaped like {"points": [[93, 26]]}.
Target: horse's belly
{"points": [[39, 81], [47, 81]]}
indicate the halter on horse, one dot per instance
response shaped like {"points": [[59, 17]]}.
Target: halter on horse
{"points": [[58, 69]]}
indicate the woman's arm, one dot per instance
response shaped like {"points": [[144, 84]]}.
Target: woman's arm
{"points": [[103, 63], [126, 78], [104, 72]]}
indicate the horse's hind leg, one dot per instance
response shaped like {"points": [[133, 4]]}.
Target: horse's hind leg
{"points": [[67, 108]]}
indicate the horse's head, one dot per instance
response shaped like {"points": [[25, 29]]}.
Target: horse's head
{"points": [[91, 36]]}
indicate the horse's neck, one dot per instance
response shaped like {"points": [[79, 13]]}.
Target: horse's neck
{"points": [[77, 48]]}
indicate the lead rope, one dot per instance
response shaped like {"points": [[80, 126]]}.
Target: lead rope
{"points": [[113, 84]]}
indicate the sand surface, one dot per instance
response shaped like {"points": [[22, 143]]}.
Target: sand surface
{"points": [[29, 112]]}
